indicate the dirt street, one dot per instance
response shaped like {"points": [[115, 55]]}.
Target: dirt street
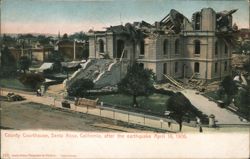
{"points": [[28, 115]]}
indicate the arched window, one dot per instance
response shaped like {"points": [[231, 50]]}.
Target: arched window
{"points": [[226, 49], [196, 67], [142, 50], [216, 48], [197, 47], [177, 45], [165, 47], [101, 46]]}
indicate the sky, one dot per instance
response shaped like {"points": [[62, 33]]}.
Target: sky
{"points": [[69, 16]]}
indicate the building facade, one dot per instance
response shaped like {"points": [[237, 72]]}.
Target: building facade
{"points": [[200, 48]]}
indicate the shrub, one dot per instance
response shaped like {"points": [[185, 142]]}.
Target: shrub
{"points": [[32, 79], [242, 101], [229, 86], [24, 63], [137, 82], [220, 93], [80, 88]]}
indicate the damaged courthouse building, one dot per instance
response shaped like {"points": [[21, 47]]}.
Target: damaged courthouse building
{"points": [[173, 46]]}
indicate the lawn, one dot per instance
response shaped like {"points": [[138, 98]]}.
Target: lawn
{"points": [[213, 95], [153, 103], [13, 83]]}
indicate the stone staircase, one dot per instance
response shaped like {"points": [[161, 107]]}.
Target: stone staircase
{"points": [[103, 72], [90, 70], [111, 76]]}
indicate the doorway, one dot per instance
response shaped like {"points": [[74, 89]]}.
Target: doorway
{"points": [[120, 48]]}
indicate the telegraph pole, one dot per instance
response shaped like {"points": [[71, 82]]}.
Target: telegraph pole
{"points": [[74, 49]]}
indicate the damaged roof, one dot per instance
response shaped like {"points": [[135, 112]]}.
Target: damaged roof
{"points": [[223, 21], [129, 29], [173, 22]]}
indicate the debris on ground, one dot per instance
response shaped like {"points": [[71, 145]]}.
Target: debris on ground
{"points": [[192, 83], [239, 60], [197, 84], [167, 86]]}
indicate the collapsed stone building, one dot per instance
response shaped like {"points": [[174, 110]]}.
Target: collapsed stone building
{"points": [[200, 48]]}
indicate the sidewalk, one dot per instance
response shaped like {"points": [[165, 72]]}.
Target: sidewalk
{"points": [[111, 113], [223, 116], [141, 119]]}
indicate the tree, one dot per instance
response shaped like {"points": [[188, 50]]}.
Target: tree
{"points": [[80, 88], [43, 40], [245, 47], [179, 106], [8, 64], [65, 36], [56, 58], [229, 87], [247, 66], [220, 93], [24, 63], [85, 52], [242, 101], [7, 40], [7, 59], [31, 79], [241, 98], [79, 36], [26, 36], [137, 82]]}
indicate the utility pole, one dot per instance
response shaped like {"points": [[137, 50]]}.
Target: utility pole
{"points": [[121, 18], [58, 36], [74, 49], [22, 47]]}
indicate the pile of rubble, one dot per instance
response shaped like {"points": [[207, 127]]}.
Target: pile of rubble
{"points": [[197, 84], [167, 86], [239, 60]]}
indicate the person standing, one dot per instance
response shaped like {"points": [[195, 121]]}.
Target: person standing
{"points": [[198, 120]]}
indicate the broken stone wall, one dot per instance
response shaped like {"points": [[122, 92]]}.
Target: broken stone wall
{"points": [[109, 45], [208, 19], [94, 45], [92, 52]]}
